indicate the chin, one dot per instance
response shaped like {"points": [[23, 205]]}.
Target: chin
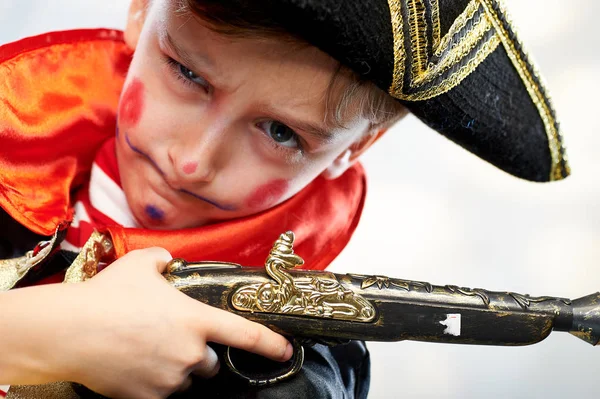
{"points": [[170, 223]]}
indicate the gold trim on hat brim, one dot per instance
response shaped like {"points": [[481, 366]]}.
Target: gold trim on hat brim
{"points": [[467, 44]]}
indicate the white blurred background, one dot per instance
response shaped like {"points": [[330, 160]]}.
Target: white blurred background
{"points": [[436, 213]]}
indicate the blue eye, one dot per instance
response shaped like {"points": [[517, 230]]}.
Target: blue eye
{"points": [[191, 76], [280, 133]]}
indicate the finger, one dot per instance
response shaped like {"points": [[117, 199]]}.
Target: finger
{"points": [[209, 366], [156, 256], [232, 330]]}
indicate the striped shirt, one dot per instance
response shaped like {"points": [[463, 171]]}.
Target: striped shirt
{"points": [[101, 202]]}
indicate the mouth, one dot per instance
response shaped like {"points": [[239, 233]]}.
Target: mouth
{"points": [[223, 207], [142, 153], [217, 205]]}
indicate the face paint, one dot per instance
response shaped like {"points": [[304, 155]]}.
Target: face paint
{"points": [[189, 167], [132, 103], [142, 153], [154, 213], [223, 207], [267, 194]]}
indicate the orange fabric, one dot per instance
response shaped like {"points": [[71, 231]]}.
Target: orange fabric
{"points": [[58, 99], [58, 95]]}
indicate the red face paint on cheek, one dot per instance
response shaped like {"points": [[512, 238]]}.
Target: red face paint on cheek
{"points": [[267, 194], [132, 103]]}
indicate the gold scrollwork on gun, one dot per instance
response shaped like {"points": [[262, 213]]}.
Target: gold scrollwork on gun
{"points": [[317, 296]]}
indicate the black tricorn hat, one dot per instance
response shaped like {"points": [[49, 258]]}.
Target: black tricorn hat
{"points": [[456, 64]]}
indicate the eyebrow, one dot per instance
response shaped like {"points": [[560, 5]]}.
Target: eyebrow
{"points": [[321, 133], [188, 60]]}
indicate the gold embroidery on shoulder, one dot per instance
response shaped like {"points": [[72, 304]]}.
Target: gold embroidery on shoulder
{"points": [[85, 265], [14, 270]]}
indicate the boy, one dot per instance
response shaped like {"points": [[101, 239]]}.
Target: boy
{"points": [[201, 139]]}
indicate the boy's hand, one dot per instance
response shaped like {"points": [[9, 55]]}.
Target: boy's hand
{"points": [[141, 338]]}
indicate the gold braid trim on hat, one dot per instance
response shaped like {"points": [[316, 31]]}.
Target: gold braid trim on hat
{"points": [[438, 62], [560, 167], [436, 68]]}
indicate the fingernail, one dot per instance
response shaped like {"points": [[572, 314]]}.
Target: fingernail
{"points": [[288, 352], [216, 369]]}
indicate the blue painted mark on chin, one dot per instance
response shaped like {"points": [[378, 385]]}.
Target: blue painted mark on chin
{"points": [[154, 213]]}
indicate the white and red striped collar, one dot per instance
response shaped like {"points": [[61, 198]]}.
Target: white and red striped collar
{"points": [[101, 202]]}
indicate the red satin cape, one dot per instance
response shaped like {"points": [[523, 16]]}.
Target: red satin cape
{"points": [[58, 100]]}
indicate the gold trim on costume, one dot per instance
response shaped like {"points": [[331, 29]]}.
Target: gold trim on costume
{"points": [[13, 270], [85, 266]]}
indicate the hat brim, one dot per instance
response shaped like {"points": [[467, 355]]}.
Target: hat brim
{"points": [[497, 107], [456, 64]]}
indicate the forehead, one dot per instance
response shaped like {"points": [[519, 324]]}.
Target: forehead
{"points": [[285, 71]]}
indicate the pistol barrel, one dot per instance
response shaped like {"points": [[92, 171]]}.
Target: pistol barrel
{"points": [[331, 307]]}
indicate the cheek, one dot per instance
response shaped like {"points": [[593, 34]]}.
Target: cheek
{"points": [[268, 194], [131, 105]]}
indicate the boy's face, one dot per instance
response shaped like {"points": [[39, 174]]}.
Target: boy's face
{"points": [[214, 127]]}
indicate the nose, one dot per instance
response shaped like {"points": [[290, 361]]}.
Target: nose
{"points": [[197, 158]]}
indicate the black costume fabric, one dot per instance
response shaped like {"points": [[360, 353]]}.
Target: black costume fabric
{"points": [[456, 64]]}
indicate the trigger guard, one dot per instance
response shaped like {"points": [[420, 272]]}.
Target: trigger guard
{"points": [[295, 367]]}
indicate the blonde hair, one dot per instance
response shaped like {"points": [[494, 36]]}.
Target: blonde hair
{"points": [[361, 98]]}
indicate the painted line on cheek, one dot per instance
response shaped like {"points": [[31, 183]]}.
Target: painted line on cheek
{"points": [[268, 194], [132, 103], [213, 203], [142, 153], [154, 213]]}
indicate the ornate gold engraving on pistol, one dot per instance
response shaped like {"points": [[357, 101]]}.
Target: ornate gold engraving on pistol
{"points": [[383, 281], [317, 296], [525, 301], [470, 292]]}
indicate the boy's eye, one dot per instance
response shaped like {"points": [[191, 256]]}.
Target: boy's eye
{"points": [[191, 76], [280, 133]]}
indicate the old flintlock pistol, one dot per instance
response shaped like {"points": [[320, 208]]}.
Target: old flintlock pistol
{"points": [[319, 306]]}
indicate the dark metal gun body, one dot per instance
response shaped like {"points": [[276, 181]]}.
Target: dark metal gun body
{"points": [[404, 310], [327, 307]]}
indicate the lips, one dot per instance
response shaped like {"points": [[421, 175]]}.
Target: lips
{"points": [[173, 187]]}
